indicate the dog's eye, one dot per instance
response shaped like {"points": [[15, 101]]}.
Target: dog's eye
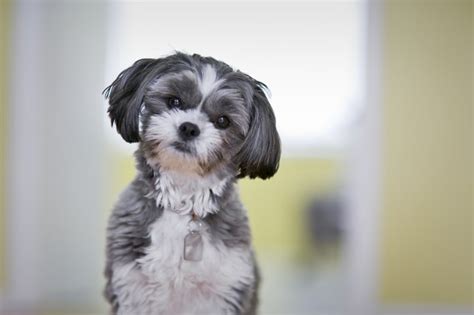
{"points": [[175, 102], [222, 122]]}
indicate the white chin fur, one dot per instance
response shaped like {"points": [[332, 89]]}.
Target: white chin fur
{"points": [[188, 193]]}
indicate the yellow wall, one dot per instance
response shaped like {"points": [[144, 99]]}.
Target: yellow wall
{"points": [[427, 222], [276, 206], [4, 20]]}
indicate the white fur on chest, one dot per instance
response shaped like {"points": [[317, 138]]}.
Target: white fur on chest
{"points": [[185, 193], [162, 282]]}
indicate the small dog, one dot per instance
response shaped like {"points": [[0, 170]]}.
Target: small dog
{"points": [[178, 240]]}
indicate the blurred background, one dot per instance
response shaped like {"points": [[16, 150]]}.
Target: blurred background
{"points": [[372, 209]]}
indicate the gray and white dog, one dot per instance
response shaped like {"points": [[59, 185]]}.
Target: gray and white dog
{"points": [[178, 240]]}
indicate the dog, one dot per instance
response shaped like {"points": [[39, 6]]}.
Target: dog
{"points": [[178, 239]]}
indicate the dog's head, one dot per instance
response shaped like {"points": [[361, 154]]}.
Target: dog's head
{"points": [[196, 113]]}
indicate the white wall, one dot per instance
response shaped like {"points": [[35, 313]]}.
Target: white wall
{"points": [[55, 155], [309, 53]]}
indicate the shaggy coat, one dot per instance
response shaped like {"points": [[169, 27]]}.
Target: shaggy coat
{"points": [[200, 125]]}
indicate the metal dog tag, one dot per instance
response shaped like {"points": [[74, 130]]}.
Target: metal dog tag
{"points": [[193, 246]]}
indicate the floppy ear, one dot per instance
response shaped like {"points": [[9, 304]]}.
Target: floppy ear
{"points": [[260, 152], [125, 96]]}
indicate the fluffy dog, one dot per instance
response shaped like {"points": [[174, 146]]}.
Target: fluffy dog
{"points": [[178, 239]]}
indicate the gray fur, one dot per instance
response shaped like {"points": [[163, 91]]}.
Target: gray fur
{"points": [[249, 147]]}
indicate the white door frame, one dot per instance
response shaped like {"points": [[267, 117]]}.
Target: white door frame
{"points": [[364, 179]]}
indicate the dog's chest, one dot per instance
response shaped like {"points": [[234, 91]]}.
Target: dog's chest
{"points": [[162, 282]]}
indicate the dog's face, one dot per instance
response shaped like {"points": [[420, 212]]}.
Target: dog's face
{"points": [[196, 114]]}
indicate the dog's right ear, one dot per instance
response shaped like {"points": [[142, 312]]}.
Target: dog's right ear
{"points": [[125, 97]]}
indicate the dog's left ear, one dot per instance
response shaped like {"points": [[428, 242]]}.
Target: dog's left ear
{"points": [[125, 96], [260, 153]]}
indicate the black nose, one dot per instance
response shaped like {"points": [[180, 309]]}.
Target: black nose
{"points": [[188, 131]]}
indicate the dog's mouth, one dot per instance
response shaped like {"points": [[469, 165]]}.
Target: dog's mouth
{"points": [[182, 147]]}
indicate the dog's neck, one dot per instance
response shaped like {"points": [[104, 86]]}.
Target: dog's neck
{"points": [[189, 193], [185, 193]]}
